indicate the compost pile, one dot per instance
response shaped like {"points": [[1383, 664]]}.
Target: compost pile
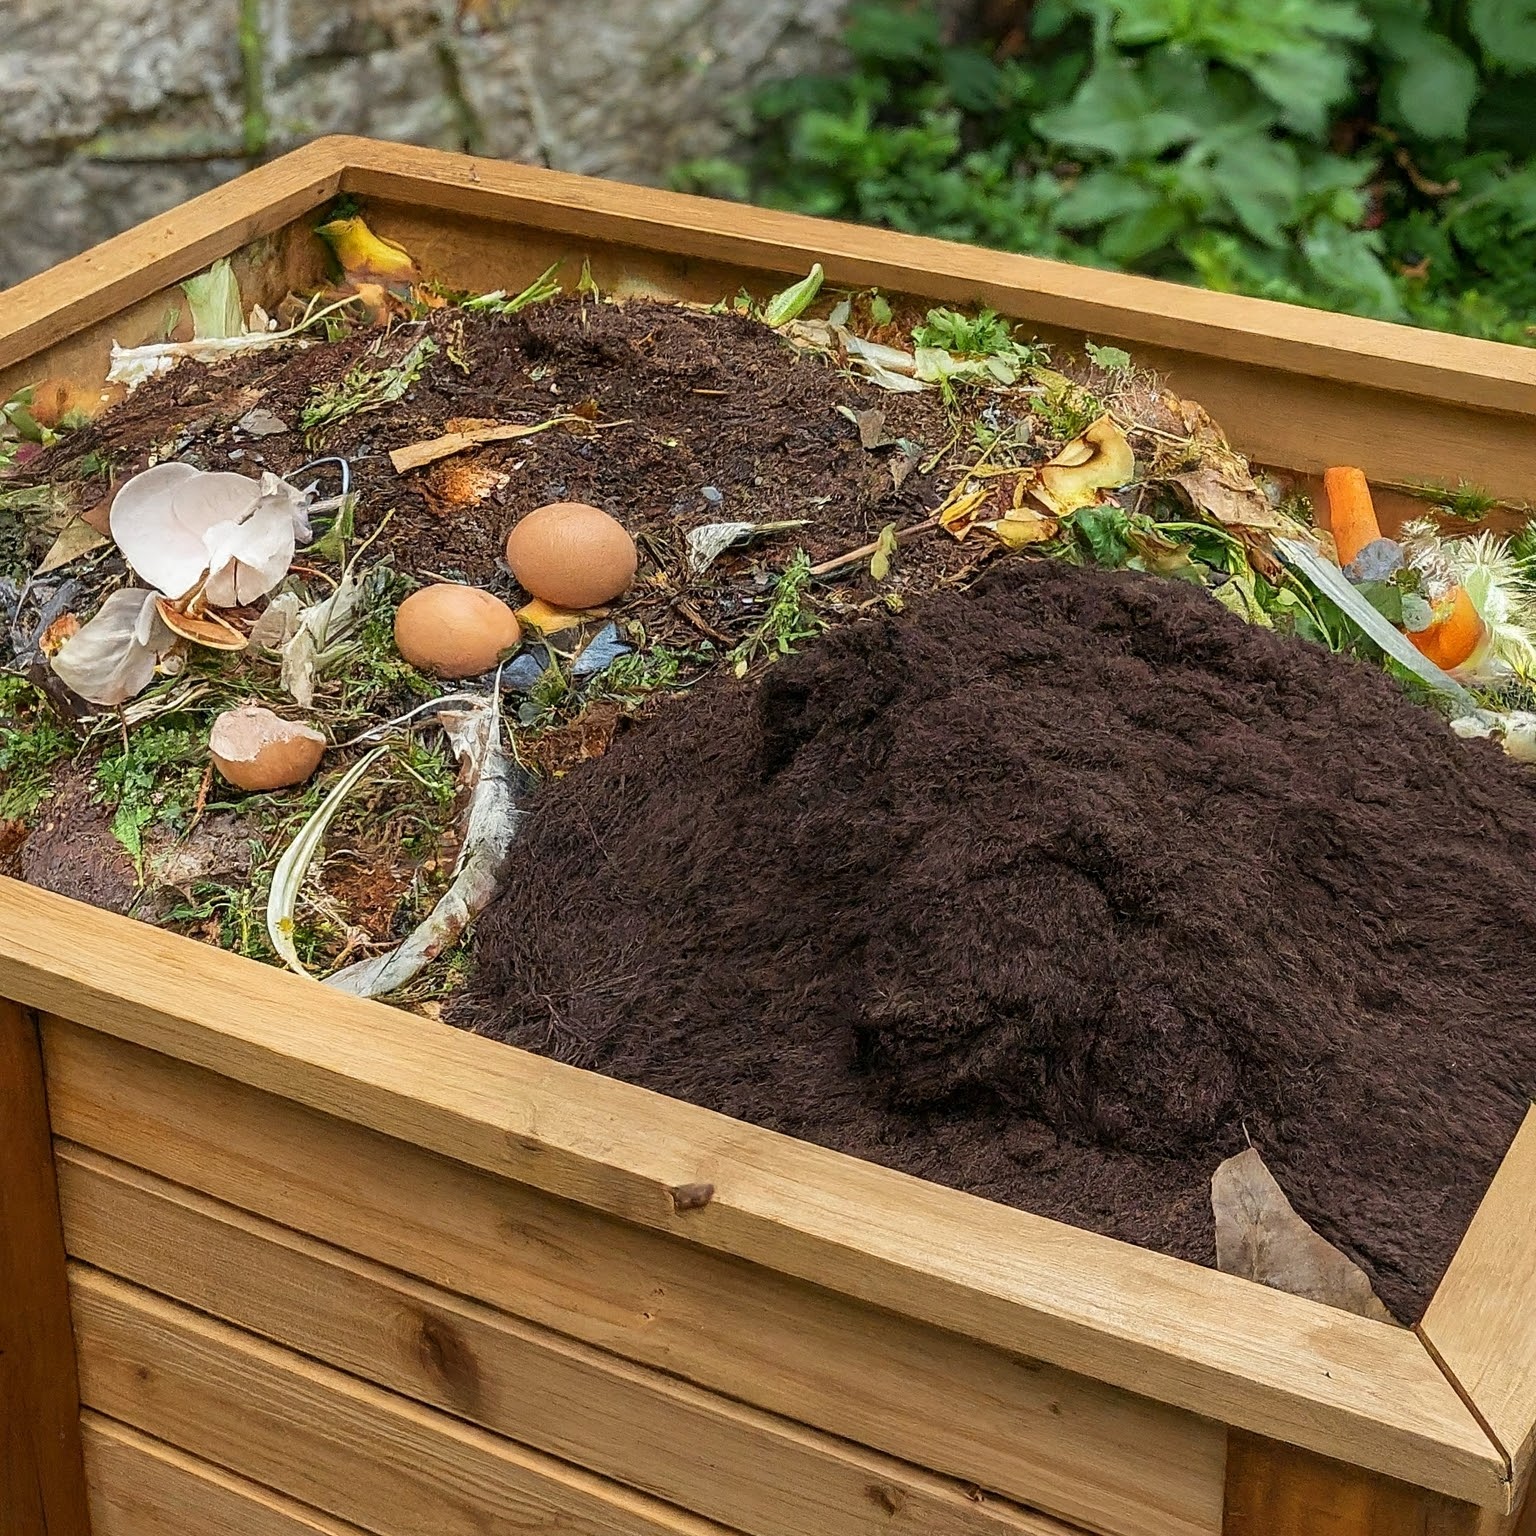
{"points": [[1059, 891]]}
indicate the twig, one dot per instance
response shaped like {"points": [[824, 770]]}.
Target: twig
{"points": [[415, 455], [864, 551], [699, 622]]}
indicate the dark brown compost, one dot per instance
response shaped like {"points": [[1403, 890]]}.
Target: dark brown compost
{"points": [[1057, 891]]}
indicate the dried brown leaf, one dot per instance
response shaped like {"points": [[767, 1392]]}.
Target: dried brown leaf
{"points": [[1228, 495], [1260, 1237]]}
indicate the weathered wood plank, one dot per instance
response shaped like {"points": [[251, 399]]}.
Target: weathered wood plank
{"points": [[1316, 343], [1049, 1440], [348, 1449], [123, 271], [1171, 1331], [42, 1481], [1279, 1490], [1481, 1321], [756, 1472], [142, 1487]]}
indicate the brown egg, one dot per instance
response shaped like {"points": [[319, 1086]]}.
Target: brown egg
{"points": [[255, 749], [571, 555], [453, 631]]}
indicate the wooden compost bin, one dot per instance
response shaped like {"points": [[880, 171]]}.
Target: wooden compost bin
{"points": [[277, 1262]]}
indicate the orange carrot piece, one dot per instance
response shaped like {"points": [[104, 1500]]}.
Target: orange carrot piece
{"points": [[1351, 512], [1450, 641]]}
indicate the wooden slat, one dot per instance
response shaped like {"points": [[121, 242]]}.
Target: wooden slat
{"points": [[1289, 420], [143, 1487], [1278, 1490], [1481, 1321], [131, 267], [1316, 343], [1214, 1344], [348, 1449], [1085, 1452], [42, 1482], [756, 1472]]}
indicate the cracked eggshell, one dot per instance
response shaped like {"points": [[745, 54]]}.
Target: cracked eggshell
{"points": [[113, 658], [257, 750], [572, 555], [177, 525], [452, 631]]}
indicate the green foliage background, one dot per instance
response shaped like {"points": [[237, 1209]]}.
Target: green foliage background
{"points": [[1374, 156]]}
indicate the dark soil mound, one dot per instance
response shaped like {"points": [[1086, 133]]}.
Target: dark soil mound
{"points": [[1052, 892]]}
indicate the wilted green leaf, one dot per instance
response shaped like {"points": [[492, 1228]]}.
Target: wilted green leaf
{"points": [[885, 547], [214, 299], [792, 302], [1103, 530], [1110, 359]]}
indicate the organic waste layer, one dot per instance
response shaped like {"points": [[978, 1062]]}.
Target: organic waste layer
{"points": [[1059, 891]]}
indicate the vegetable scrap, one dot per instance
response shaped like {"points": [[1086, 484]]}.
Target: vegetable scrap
{"points": [[347, 585]]}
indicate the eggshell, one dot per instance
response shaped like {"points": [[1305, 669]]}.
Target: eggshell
{"points": [[453, 631], [572, 555], [256, 750]]}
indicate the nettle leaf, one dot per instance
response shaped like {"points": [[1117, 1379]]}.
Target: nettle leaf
{"points": [[1305, 83], [1431, 86], [1348, 262], [1114, 114], [1104, 195], [1260, 179], [1128, 240], [1505, 30]]}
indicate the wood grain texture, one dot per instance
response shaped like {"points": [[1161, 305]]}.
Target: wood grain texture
{"points": [[1481, 1321], [753, 1471], [1279, 1490], [319, 1436], [1073, 1447], [143, 1487], [1164, 1329], [131, 267], [42, 1481]]}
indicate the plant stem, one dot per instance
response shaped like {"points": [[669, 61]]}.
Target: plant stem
{"points": [[864, 551], [255, 127]]}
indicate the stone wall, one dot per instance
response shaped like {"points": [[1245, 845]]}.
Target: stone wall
{"points": [[113, 110]]}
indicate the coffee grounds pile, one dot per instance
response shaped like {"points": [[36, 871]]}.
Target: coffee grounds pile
{"points": [[1059, 892]]}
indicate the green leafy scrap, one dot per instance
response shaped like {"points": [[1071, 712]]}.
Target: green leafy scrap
{"points": [[151, 780]]}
